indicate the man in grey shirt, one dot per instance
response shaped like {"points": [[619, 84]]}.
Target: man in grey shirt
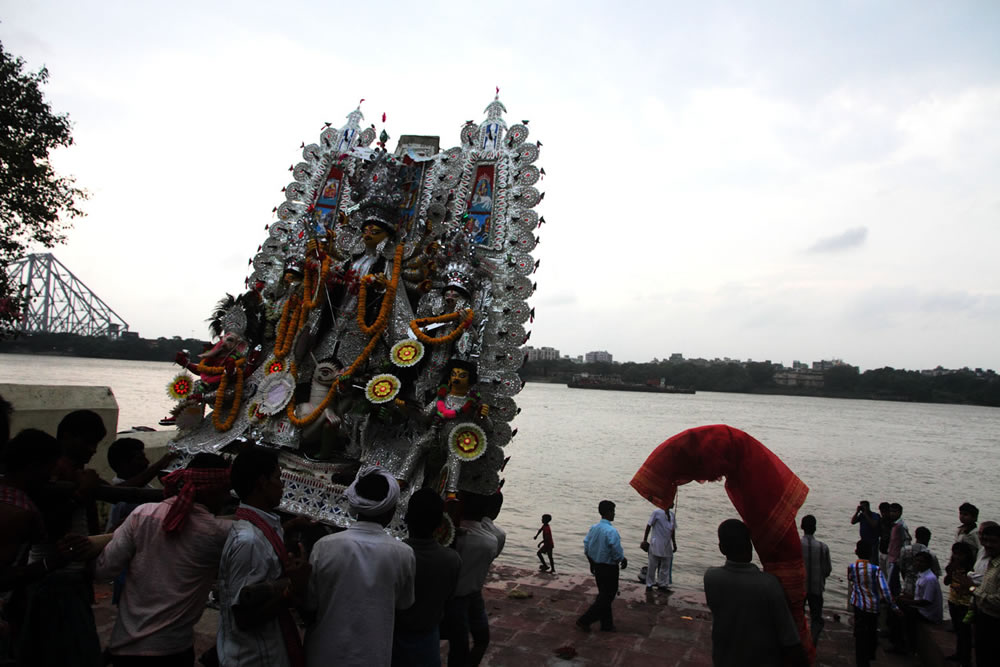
{"points": [[751, 622], [816, 556]]}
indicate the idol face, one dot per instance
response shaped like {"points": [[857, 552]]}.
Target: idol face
{"points": [[326, 373], [458, 382], [373, 235]]}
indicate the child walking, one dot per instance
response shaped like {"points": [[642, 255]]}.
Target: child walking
{"points": [[545, 546]]}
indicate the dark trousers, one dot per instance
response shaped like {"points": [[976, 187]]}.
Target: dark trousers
{"points": [[182, 659], [607, 588], [987, 629], [463, 616], [815, 602], [896, 625], [416, 649], [865, 637], [963, 634]]}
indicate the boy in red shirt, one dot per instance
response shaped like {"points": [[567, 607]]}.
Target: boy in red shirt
{"points": [[545, 546]]}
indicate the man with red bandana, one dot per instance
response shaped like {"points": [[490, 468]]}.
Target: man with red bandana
{"points": [[172, 551]]}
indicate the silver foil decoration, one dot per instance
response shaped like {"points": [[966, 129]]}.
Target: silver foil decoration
{"points": [[471, 206]]}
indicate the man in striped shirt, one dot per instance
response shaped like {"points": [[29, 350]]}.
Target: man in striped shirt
{"points": [[866, 587]]}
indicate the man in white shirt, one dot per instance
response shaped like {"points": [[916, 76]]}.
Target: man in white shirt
{"points": [[922, 608], [258, 579], [493, 507], [360, 576], [660, 540], [982, 558], [172, 551]]}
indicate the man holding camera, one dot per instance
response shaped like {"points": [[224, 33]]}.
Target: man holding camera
{"points": [[869, 528]]}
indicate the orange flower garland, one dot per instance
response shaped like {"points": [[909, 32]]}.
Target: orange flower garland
{"points": [[308, 302], [220, 393], [387, 301], [449, 317], [218, 370], [288, 326], [220, 401], [375, 331]]}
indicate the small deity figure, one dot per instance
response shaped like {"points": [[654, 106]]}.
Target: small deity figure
{"points": [[325, 435], [457, 402], [374, 266], [229, 323], [454, 297], [482, 198]]}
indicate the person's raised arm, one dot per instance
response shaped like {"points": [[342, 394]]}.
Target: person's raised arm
{"points": [[147, 475], [856, 517]]}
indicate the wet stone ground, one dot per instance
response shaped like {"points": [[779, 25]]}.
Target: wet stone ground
{"points": [[533, 614]]}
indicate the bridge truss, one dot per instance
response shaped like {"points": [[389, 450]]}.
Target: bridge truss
{"points": [[59, 302]]}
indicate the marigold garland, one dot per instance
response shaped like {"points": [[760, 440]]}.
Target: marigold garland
{"points": [[220, 401], [387, 301], [308, 302], [375, 331], [288, 326], [448, 317], [218, 370]]}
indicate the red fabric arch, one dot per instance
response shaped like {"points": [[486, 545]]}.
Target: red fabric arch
{"points": [[763, 490]]}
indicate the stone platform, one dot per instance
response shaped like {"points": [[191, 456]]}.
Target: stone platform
{"points": [[532, 616]]}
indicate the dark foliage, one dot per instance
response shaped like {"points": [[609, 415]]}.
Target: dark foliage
{"points": [[961, 386], [35, 201]]}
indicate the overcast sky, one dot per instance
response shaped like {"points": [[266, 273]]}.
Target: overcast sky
{"points": [[783, 181]]}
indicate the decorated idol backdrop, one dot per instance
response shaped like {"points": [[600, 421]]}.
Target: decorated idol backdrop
{"points": [[383, 319]]}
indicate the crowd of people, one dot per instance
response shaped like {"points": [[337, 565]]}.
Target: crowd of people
{"points": [[895, 580], [895, 583], [366, 598], [363, 597], [897, 574]]}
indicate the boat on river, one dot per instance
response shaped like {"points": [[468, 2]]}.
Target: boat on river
{"points": [[615, 383]]}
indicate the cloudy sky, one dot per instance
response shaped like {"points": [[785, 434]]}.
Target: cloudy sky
{"points": [[786, 180]]}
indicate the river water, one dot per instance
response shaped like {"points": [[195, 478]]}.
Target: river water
{"points": [[575, 447]]}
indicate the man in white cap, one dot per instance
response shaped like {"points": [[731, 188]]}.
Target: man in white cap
{"points": [[360, 576]]}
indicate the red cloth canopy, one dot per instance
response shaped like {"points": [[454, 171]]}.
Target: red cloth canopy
{"points": [[763, 490]]}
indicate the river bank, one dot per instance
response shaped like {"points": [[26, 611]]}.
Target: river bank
{"points": [[654, 629], [575, 448]]}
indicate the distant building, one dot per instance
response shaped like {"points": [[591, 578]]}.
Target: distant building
{"points": [[676, 358], [598, 356], [798, 365], [826, 365], [542, 353], [800, 377]]}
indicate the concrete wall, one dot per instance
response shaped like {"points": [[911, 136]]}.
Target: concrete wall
{"points": [[44, 406]]}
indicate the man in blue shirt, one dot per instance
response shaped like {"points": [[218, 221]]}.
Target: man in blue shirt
{"points": [[869, 528], [603, 546]]}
